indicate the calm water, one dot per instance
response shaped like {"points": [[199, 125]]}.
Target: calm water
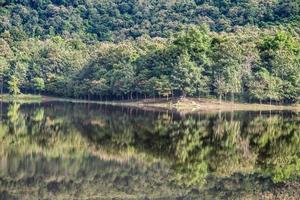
{"points": [[87, 151]]}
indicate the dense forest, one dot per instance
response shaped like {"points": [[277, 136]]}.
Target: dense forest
{"points": [[240, 50], [111, 20]]}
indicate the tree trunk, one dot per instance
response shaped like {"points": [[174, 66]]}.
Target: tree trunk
{"points": [[1, 88], [183, 94], [2, 83]]}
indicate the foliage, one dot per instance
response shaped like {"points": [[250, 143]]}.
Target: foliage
{"points": [[109, 50], [115, 20]]}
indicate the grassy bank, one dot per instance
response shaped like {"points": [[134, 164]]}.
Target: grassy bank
{"points": [[22, 98], [182, 105], [201, 104]]}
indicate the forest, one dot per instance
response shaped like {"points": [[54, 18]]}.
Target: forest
{"points": [[247, 51]]}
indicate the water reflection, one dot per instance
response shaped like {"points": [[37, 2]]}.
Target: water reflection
{"points": [[62, 150]]}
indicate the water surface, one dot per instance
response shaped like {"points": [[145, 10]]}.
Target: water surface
{"points": [[59, 150]]}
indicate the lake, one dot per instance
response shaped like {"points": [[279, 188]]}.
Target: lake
{"points": [[61, 150]]}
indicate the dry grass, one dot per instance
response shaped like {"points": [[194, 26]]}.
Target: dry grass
{"points": [[185, 105], [197, 104]]}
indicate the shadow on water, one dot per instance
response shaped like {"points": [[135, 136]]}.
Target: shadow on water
{"points": [[61, 150]]}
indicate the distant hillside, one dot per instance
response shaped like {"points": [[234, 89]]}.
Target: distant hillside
{"points": [[115, 20]]}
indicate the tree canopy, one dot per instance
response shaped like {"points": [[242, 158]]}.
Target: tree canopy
{"points": [[137, 49]]}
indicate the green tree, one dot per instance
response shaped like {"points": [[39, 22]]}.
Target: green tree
{"points": [[280, 56], [163, 86], [186, 75], [13, 85], [226, 67], [3, 70], [38, 84], [258, 87]]}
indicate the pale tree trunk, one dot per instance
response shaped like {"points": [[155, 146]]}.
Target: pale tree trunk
{"points": [[2, 81], [183, 94], [1, 88]]}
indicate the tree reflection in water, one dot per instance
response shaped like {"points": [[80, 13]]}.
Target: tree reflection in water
{"points": [[59, 150]]}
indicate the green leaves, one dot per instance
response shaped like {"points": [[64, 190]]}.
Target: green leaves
{"points": [[261, 65], [13, 86], [118, 20], [280, 57], [38, 84]]}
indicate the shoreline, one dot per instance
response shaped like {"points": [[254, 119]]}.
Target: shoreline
{"points": [[186, 105], [190, 105]]}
